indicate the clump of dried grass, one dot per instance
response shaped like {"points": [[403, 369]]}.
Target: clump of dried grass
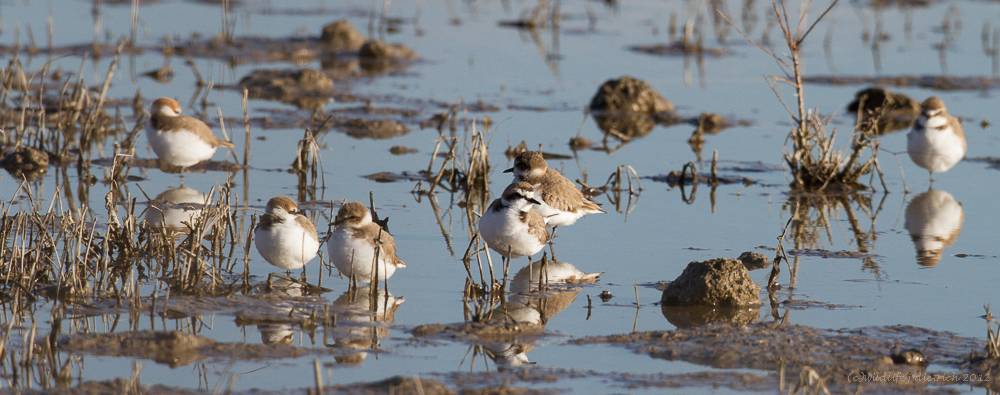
{"points": [[992, 338], [815, 163]]}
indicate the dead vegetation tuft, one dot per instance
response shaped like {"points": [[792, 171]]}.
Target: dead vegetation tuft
{"points": [[815, 162]]}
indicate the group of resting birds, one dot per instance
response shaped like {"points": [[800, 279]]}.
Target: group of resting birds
{"points": [[514, 225], [284, 237]]}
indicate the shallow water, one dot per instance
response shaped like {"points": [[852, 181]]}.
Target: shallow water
{"points": [[518, 71]]}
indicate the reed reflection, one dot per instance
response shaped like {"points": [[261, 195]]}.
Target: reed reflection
{"points": [[934, 220]]}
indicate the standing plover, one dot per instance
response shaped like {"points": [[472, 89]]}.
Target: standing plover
{"points": [[509, 226], [937, 141], [352, 246], [284, 237], [559, 201]]}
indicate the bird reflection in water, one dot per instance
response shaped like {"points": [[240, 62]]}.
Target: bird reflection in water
{"points": [[280, 331], [934, 220], [171, 208], [362, 320], [528, 305]]}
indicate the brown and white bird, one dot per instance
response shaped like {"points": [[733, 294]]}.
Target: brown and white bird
{"points": [[510, 226], [177, 139], [560, 201], [284, 237], [352, 245], [937, 141]]}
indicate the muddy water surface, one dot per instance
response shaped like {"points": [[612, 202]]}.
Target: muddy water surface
{"points": [[906, 256]]}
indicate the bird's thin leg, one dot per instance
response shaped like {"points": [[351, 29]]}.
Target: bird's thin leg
{"points": [[552, 237]]}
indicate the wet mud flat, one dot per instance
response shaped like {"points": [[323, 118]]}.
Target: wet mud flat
{"points": [[872, 360], [888, 359]]}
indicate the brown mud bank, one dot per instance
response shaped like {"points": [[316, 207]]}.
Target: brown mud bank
{"points": [[890, 359]]}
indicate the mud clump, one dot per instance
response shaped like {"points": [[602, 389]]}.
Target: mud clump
{"points": [[380, 51], [26, 162], [841, 357], [718, 282], [172, 348], [895, 111], [307, 89], [627, 108], [341, 36], [401, 150], [628, 94], [754, 260], [393, 385], [378, 129], [711, 123], [380, 57]]}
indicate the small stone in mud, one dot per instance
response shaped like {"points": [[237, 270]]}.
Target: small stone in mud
{"points": [[710, 123], [579, 143], [342, 36], [401, 150], [605, 296], [909, 357], [717, 282], [628, 94], [754, 260]]}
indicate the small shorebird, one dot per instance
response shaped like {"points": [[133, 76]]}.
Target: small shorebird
{"points": [[559, 201], [509, 226], [177, 139], [937, 141], [352, 246], [284, 237]]}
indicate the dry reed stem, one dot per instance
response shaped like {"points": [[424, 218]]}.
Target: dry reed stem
{"points": [[813, 161]]}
